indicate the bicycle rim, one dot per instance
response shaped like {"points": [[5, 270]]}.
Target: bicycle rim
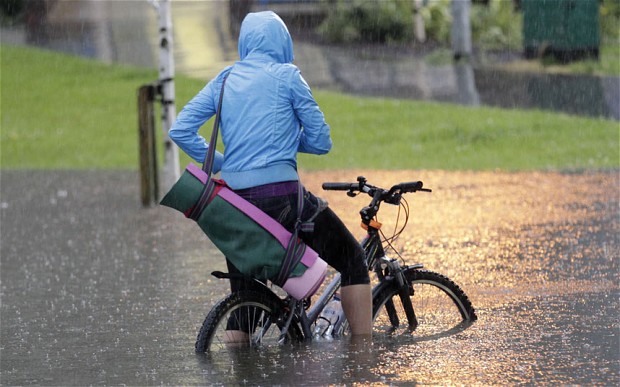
{"points": [[255, 319], [441, 307]]}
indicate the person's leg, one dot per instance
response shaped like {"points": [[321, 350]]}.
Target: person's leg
{"points": [[334, 243], [237, 326], [236, 337], [357, 306], [337, 246]]}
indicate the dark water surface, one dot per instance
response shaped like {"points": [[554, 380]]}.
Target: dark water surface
{"points": [[96, 290]]}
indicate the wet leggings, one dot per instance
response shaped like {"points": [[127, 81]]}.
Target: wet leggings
{"points": [[330, 239]]}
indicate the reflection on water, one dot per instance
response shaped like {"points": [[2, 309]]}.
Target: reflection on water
{"points": [[97, 290], [334, 362], [126, 32]]}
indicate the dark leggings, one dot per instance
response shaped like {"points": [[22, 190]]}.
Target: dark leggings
{"points": [[330, 239]]}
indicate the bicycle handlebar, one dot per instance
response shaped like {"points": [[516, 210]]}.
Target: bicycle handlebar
{"points": [[378, 195], [362, 186], [341, 186]]}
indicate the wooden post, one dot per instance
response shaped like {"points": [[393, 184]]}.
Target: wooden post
{"points": [[149, 181]]}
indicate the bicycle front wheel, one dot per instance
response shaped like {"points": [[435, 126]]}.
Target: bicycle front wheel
{"points": [[439, 306], [245, 319]]}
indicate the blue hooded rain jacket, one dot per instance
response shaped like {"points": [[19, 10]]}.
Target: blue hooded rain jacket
{"points": [[268, 112]]}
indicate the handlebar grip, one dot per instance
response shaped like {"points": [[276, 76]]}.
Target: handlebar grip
{"points": [[411, 186], [340, 186]]}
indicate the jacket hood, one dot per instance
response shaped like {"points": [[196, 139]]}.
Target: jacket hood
{"points": [[264, 33]]}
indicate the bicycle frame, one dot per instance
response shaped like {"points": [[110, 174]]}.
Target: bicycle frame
{"points": [[306, 319], [387, 270], [378, 263]]}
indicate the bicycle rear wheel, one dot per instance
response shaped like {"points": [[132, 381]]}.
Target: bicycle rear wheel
{"points": [[258, 315], [440, 306]]}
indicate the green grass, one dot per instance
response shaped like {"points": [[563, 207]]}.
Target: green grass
{"points": [[396, 134], [59, 111]]}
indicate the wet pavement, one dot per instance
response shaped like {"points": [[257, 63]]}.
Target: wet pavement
{"points": [[97, 290], [126, 32]]}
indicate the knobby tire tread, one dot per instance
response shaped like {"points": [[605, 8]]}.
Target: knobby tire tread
{"points": [[462, 302]]}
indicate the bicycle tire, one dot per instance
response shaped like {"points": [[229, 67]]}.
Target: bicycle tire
{"points": [[252, 312], [441, 307]]}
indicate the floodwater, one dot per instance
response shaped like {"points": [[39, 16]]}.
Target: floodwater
{"points": [[97, 290], [126, 32]]}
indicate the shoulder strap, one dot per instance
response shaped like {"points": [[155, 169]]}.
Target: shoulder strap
{"points": [[295, 249], [207, 165]]}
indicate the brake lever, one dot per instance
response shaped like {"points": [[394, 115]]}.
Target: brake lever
{"points": [[362, 181], [394, 198]]}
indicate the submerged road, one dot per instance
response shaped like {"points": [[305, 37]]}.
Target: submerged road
{"points": [[97, 290]]}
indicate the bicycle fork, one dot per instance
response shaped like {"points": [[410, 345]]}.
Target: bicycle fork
{"points": [[405, 291]]}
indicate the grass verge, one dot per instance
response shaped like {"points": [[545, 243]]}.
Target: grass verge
{"points": [[60, 111]]}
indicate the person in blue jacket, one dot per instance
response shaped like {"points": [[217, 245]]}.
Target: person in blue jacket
{"points": [[268, 116]]}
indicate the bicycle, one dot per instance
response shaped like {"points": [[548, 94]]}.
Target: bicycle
{"points": [[406, 298]]}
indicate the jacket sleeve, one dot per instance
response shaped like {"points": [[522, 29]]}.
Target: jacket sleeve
{"points": [[315, 135], [184, 131]]}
